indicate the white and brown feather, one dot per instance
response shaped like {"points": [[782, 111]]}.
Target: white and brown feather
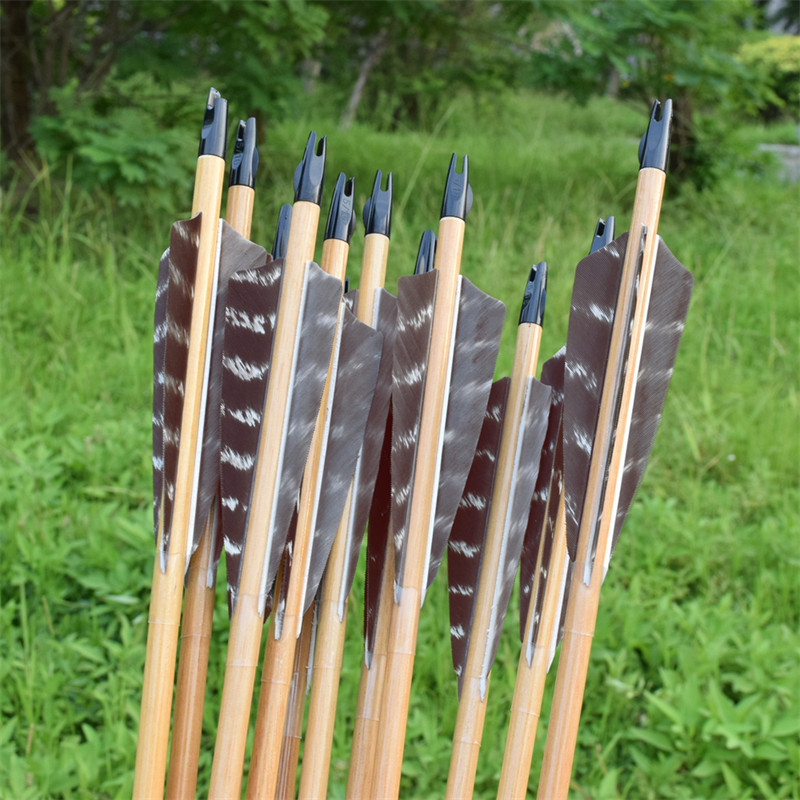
{"points": [[366, 472], [477, 342], [469, 526], [172, 340]]}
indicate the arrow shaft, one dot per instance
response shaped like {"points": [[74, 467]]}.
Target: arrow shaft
{"points": [[405, 613], [246, 622], [526, 703], [293, 727], [331, 627], [472, 702], [285, 629], [168, 572], [198, 609], [604, 482], [192, 669]]}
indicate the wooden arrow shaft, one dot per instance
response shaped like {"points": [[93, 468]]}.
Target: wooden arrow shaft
{"points": [[605, 476], [331, 629], [187, 726], [198, 609], [279, 655], [526, 703], [167, 589], [405, 613], [370, 690], [472, 703], [246, 622], [293, 727]]}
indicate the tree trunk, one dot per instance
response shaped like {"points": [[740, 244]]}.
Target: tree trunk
{"points": [[15, 92], [377, 46]]}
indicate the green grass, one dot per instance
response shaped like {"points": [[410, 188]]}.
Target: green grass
{"points": [[694, 685]]}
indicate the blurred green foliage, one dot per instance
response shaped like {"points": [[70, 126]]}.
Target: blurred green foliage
{"points": [[107, 87]]}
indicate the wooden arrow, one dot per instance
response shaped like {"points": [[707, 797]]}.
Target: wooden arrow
{"points": [[446, 346], [175, 498], [301, 335], [201, 576], [607, 441], [331, 461], [543, 579], [379, 581], [377, 308], [490, 552]]}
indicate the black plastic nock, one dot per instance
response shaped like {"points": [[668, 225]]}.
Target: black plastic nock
{"points": [[282, 231], [535, 295], [310, 172], [244, 163], [378, 208], [603, 234], [426, 254], [457, 199], [341, 217], [654, 147], [214, 134]]}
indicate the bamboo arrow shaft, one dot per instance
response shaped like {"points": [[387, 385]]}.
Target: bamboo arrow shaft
{"points": [[279, 656], [192, 669], [584, 599], [167, 590], [246, 622], [331, 628], [370, 691], [293, 728], [405, 613], [474, 695], [526, 703], [198, 610]]}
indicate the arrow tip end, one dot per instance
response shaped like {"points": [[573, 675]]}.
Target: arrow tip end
{"points": [[654, 147], [310, 172], [603, 234], [214, 133], [244, 163], [457, 200], [533, 301], [426, 254], [342, 217], [378, 208]]}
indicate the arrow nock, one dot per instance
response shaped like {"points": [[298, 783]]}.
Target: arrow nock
{"points": [[341, 217], [244, 163], [310, 172], [426, 254], [457, 199], [603, 234], [378, 208], [214, 132], [654, 147], [282, 231], [533, 300]]}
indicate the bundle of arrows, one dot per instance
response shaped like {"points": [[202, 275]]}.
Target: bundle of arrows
{"points": [[291, 416]]}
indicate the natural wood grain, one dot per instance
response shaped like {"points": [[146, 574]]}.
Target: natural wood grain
{"points": [[239, 209], [472, 705], [405, 614], [246, 623], [526, 703], [370, 690], [279, 655], [198, 610], [195, 637], [293, 727], [167, 589], [583, 599], [330, 628]]}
